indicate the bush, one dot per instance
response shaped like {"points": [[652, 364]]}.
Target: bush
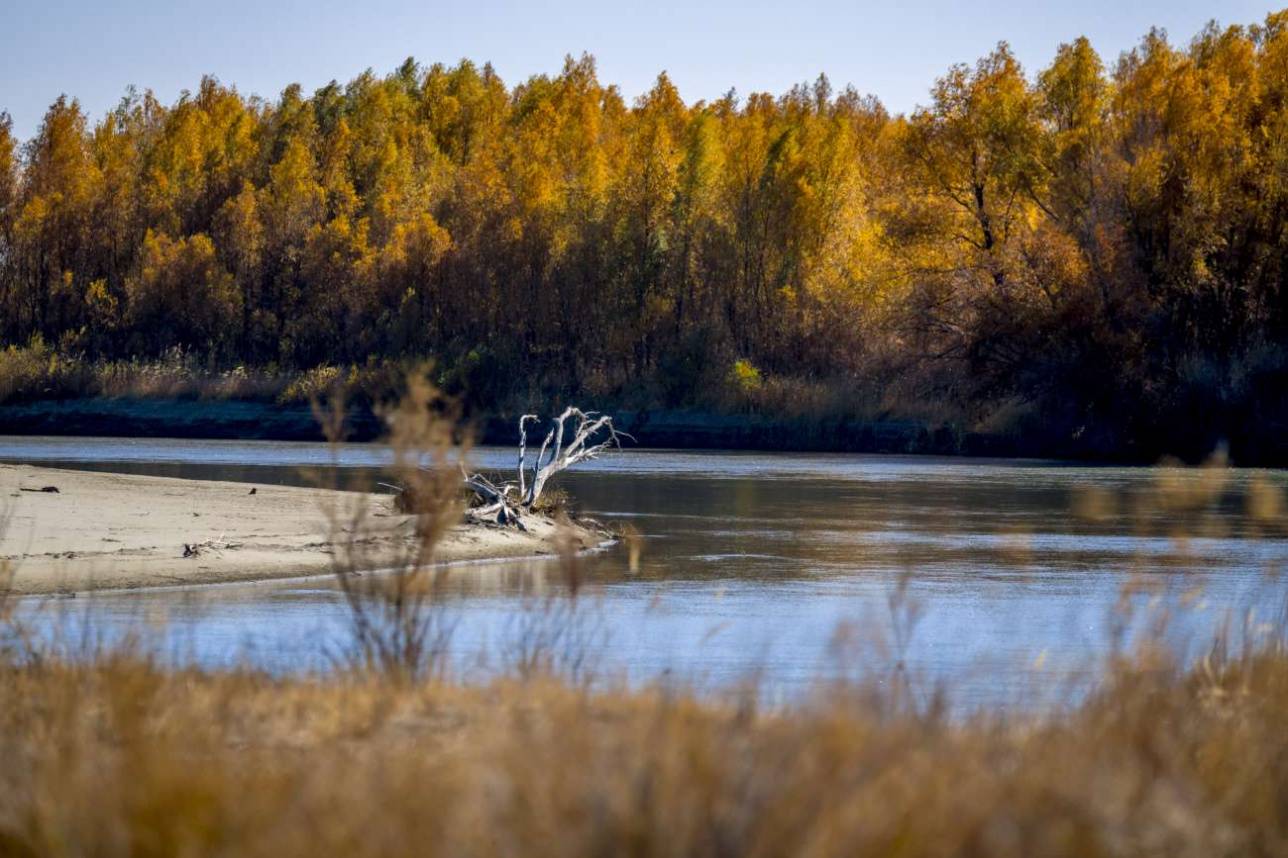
{"points": [[744, 376], [314, 384], [38, 372]]}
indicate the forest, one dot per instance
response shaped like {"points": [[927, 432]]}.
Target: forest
{"points": [[1093, 254]]}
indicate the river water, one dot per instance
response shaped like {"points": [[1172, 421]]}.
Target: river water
{"points": [[970, 576]]}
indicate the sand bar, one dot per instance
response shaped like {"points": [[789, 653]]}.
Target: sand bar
{"points": [[112, 531]]}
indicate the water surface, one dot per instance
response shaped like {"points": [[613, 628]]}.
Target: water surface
{"points": [[973, 575]]}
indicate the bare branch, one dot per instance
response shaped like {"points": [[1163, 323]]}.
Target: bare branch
{"points": [[589, 425], [506, 502], [523, 448]]}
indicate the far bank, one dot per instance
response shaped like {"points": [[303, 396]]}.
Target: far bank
{"points": [[194, 418]]}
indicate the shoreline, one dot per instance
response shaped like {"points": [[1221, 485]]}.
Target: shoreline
{"points": [[679, 429], [114, 532], [665, 429], [207, 586]]}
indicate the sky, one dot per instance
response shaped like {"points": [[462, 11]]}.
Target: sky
{"points": [[94, 49]]}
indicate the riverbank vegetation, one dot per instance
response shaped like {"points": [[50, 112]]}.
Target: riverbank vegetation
{"points": [[1091, 253], [125, 756]]}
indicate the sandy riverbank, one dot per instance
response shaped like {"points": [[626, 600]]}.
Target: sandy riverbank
{"points": [[112, 531]]}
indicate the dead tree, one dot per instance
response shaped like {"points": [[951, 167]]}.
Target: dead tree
{"points": [[564, 446]]}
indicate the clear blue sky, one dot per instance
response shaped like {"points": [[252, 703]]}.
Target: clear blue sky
{"points": [[94, 49]]}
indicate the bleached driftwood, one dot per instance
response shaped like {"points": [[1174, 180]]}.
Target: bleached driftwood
{"points": [[495, 501], [565, 445]]}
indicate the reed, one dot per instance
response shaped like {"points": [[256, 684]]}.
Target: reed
{"points": [[121, 755]]}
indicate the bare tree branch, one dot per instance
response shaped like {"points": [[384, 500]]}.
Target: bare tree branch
{"points": [[589, 434], [579, 448]]}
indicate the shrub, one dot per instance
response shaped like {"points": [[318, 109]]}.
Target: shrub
{"points": [[744, 376], [313, 384]]}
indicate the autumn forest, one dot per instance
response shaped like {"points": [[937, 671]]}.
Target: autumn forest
{"points": [[1094, 252]]}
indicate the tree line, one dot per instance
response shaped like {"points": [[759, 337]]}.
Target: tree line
{"points": [[1096, 249]]}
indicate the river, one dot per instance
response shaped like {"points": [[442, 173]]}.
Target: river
{"points": [[786, 571]]}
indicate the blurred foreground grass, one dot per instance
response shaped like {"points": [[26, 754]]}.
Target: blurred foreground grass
{"points": [[122, 756]]}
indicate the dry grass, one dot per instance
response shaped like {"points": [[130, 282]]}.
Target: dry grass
{"points": [[37, 372], [880, 392], [397, 629], [123, 757]]}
